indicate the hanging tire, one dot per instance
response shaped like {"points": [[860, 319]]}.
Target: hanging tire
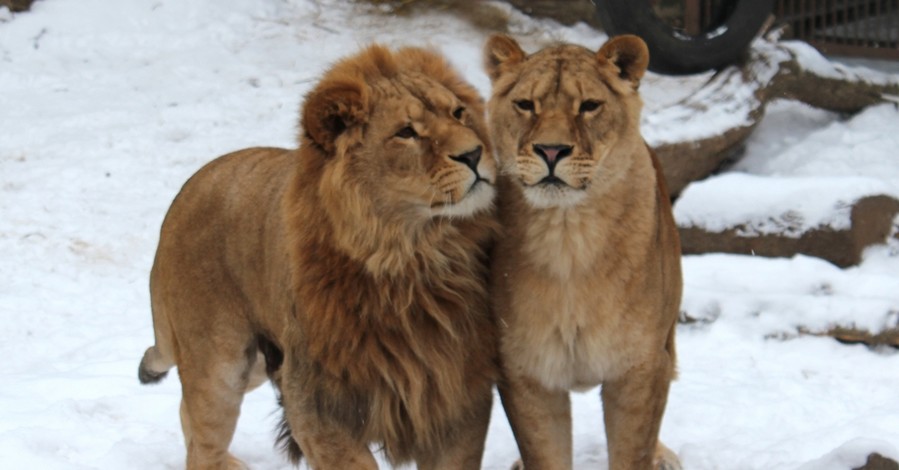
{"points": [[672, 51]]}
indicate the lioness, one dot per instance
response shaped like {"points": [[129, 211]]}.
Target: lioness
{"points": [[353, 269], [587, 275]]}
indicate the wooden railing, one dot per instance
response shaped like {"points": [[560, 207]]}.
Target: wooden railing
{"points": [[867, 28]]}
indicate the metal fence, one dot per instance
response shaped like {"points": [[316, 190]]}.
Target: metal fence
{"points": [[865, 28]]}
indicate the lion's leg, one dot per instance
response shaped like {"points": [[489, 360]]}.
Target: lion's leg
{"points": [[541, 421], [258, 375], [330, 449], [467, 449], [213, 383], [633, 406], [327, 446]]}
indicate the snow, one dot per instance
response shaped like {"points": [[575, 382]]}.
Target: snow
{"points": [[775, 205], [792, 182], [107, 107], [727, 104], [817, 64]]}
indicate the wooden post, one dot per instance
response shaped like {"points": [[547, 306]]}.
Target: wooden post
{"points": [[692, 17]]}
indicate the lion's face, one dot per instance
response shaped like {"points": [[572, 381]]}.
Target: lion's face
{"points": [[403, 135], [556, 116], [423, 144]]}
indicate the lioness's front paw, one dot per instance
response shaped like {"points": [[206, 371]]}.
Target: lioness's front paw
{"points": [[518, 465], [665, 459], [670, 466], [236, 464]]}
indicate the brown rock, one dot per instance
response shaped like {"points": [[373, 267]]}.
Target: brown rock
{"points": [[567, 12], [17, 5], [871, 217], [852, 335], [879, 462]]}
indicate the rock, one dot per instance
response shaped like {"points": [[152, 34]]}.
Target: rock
{"points": [[852, 335], [568, 12], [871, 222], [17, 5], [879, 462]]}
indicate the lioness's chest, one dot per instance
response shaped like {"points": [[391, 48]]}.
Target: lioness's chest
{"points": [[573, 304], [568, 335]]}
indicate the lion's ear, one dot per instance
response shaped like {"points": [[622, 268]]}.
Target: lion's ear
{"points": [[331, 109], [630, 54], [501, 52]]}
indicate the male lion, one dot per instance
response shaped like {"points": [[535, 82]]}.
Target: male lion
{"points": [[587, 279], [353, 270]]}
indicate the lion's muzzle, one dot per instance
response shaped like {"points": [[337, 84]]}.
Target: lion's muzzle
{"points": [[470, 159]]}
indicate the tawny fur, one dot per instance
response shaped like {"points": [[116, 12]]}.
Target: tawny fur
{"points": [[353, 270], [586, 273]]}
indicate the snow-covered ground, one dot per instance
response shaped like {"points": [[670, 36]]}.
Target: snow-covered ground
{"points": [[106, 107]]}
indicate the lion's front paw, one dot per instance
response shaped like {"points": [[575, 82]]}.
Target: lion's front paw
{"points": [[518, 465], [666, 459]]}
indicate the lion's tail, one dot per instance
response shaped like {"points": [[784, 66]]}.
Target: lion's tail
{"points": [[154, 366], [160, 357]]}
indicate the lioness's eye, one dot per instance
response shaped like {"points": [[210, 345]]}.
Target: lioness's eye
{"points": [[589, 105], [525, 105], [457, 113], [406, 133]]}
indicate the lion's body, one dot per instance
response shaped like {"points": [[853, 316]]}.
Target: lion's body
{"points": [[333, 268], [586, 275]]}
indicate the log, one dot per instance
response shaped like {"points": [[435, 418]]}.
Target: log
{"points": [[723, 113]]}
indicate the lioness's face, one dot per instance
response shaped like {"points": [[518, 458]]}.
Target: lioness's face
{"points": [[557, 115], [403, 135]]}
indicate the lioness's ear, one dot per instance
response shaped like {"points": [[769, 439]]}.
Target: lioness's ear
{"points": [[501, 52], [630, 54], [332, 108]]}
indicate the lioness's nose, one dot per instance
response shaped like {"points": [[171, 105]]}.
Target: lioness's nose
{"points": [[551, 154], [470, 159]]}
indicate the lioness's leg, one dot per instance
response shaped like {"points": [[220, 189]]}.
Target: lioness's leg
{"points": [[666, 459], [541, 422], [213, 383], [633, 406], [467, 449]]}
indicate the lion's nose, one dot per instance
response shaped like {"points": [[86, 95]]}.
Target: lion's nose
{"points": [[551, 154], [470, 159]]}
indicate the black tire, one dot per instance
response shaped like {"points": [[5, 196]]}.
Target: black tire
{"points": [[672, 51]]}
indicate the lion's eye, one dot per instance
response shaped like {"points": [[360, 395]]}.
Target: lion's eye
{"points": [[458, 112], [589, 105], [525, 105], [407, 132]]}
